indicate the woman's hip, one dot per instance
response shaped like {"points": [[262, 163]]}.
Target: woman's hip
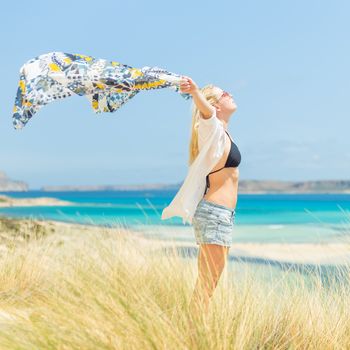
{"points": [[214, 210], [213, 223]]}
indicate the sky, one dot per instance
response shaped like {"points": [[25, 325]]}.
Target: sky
{"points": [[286, 64]]}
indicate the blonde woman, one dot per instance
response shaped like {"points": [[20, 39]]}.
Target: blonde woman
{"points": [[208, 195]]}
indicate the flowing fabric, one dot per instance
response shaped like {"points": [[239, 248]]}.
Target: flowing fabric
{"points": [[211, 144], [106, 84]]}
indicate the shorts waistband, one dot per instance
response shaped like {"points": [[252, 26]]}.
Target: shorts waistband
{"points": [[218, 205]]}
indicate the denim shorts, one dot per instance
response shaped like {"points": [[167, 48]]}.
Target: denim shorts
{"points": [[213, 223]]}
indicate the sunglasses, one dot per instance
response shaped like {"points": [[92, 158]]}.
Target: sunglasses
{"points": [[224, 94]]}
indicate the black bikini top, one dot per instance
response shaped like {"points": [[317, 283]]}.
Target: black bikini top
{"points": [[232, 161]]}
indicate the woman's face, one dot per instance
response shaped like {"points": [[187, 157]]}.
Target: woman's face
{"points": [[226, 103]]}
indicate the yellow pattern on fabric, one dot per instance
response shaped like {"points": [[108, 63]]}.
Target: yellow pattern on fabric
{"points": [[95, 104], [149, 85], [86, 58], [54, 67], [107, 84], [22, 86], [135, 73], [100, 86]]}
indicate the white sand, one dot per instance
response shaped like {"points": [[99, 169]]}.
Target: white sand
{"points": [[6, 201], [313, 253], [183, 240]]}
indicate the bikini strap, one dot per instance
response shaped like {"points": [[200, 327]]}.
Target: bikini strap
{"points": [[207, 178], [216, 170]]}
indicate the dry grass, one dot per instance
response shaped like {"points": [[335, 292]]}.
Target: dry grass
{"points": [[107, 289]]}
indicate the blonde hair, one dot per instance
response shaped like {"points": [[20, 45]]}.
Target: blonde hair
{"points": [[208, 93]]}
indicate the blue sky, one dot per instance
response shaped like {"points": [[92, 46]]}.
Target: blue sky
{"points": [[286, 64]]}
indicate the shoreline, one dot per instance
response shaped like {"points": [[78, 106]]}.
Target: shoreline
{"points": [[297, 253], [139, 189], [6, 202]]}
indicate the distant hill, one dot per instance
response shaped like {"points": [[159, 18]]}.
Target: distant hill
{"points": [[139, 187], [320, 186], [7, 184], [245, 186]]}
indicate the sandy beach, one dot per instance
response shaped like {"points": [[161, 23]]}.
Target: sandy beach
{"points": [[311, 253], [19, 230], [67, 279], [6, 201]]}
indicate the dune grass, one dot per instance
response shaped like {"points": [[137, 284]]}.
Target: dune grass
{"points": [[107, 289]]}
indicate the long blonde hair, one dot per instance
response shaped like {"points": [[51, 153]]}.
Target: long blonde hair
{"points": [[207, 92]]}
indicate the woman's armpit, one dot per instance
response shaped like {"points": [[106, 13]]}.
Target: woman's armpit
{"points": [[205, 118]]}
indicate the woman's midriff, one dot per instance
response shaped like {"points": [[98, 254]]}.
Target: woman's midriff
{"points": [[223, 187]]}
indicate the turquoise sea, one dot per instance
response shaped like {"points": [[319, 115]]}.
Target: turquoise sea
{"points": [[259, 218]]}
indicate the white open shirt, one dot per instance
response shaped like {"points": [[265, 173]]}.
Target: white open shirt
{"points": [[211, 145]]}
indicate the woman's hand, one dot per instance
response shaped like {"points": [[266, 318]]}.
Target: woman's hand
{"points": [[188, 86]]}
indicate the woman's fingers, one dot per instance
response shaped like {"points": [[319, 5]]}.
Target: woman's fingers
{"points": [[185, 78], [186, 84]]}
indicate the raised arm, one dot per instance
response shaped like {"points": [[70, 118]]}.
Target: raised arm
{"points": [[189, 86]]}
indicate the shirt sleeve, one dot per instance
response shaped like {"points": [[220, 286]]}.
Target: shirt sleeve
{"points": [[206, 127]]}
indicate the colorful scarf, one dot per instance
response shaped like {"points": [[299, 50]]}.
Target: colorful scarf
{"points": [[106, 84]]}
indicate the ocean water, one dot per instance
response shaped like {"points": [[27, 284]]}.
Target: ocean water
{"points": [[259, 218]]}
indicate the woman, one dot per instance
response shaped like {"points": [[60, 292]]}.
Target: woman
{"points": [[214, 214]]}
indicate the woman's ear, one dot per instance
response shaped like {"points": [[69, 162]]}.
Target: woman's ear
{"points": [[217, 107]]}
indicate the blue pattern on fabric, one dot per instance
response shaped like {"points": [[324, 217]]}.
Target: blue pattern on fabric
{"points": [[107, 84]]}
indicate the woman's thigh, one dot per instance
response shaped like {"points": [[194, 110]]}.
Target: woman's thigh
{"points": [[211, 260]]}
